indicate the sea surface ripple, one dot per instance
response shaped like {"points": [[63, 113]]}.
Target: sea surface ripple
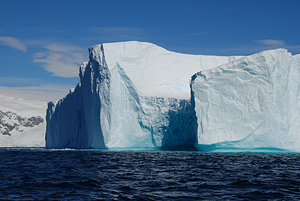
{"points": [[41, 174]]}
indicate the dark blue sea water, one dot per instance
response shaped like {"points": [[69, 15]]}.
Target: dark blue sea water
{"points": [[41, 174]]}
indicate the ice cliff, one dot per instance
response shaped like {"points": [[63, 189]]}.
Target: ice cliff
{"points": [[250, 103], [130, 94], [138, 95]]}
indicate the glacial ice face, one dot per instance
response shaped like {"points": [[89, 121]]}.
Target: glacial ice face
{"points": [[129, 95], [249, 103], [105, 111], [137, 95], [66, 122]]}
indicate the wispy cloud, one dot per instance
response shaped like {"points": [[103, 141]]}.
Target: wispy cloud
{"points": [[17, 80], [14, 43], [120, 33], [61, 60], [62, 48], [43, 93], [271, 42], [294, 48]]}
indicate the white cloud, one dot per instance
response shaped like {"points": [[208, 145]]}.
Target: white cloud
{"points": [[44, 93], [25, 108], [61, 60], [17, 80], [61, 48], [30, 101], [294, 48], [14, 43], [271, 42]]}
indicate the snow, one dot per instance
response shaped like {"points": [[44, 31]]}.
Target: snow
{"points": [[30, 137], [25, 136], [249, 103], [156, 71]]}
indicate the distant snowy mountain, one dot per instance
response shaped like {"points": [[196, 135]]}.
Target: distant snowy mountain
{"points": [[10, 122], [22, 122]]}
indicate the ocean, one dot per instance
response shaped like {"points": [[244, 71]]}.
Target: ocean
{"points": [[42, 174]]}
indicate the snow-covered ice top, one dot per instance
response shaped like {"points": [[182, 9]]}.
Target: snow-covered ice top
{"points": [[156, 71]]}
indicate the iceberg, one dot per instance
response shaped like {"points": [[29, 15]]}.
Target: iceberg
{"points": [[138, 95], [250, 103], [130, 95]]}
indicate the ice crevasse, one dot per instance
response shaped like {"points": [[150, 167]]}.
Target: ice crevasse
{"points": [[138, 95]]}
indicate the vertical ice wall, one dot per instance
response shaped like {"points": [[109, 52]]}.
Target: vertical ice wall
{"points": [[82, 118], [249, 103], [106, 110], [66, 122], [130, 94], [294, 86]]}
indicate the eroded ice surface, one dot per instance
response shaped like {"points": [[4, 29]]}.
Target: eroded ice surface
{"points": [[130, 94], [250, 103], [134, 94]]}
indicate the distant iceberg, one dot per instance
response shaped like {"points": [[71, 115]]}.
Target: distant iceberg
{"points": [[139, 95]]}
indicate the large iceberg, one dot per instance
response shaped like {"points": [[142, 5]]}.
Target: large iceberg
{"points": [[130, 94], [250, 103], [138, 95]]}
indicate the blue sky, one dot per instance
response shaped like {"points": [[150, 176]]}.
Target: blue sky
{"points": [[42, 43]]}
